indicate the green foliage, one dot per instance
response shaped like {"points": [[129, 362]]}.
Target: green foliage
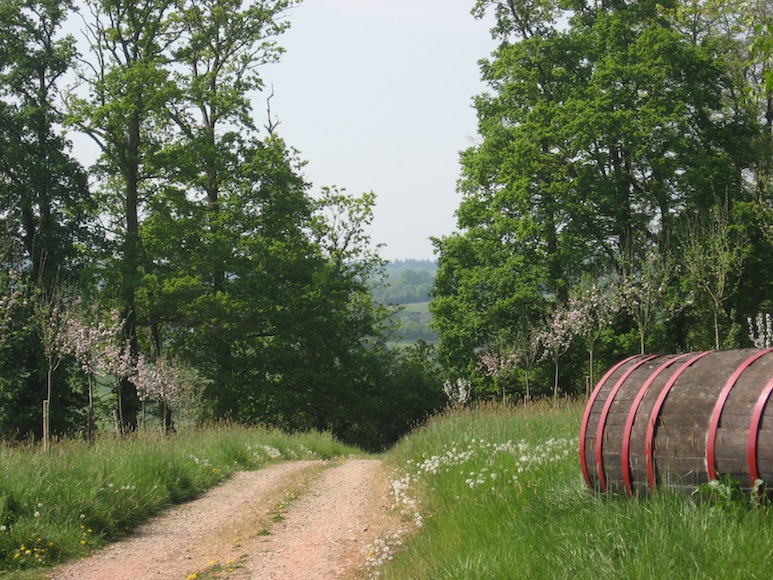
{"points": [[407, 282], [66, 503], [402, 389], [217, 255], [603, 140]]}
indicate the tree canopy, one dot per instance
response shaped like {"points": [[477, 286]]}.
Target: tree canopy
{"points": [[193, 270], [611, 132]]}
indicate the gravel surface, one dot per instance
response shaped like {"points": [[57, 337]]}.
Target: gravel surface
{"points": [[297, 520]]}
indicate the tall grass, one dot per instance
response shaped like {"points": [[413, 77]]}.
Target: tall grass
{"points": [[62, 504], [500, 495]]}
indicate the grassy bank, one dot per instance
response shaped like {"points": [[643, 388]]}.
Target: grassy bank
{"points": [[500, 495], [65, 503]]}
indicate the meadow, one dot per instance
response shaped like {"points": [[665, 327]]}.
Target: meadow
{"points": [[497, 492], [489, 491], [63, 504]]}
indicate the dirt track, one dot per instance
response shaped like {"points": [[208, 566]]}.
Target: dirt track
{"points": [[298, 520]]}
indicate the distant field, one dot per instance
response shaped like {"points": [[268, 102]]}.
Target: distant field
{"points": [[417, 307], [414, 319]]}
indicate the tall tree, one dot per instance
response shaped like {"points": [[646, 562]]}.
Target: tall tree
{"points": [[222, 45], [596, 135], [43, 191], [128, 88], [44, 199]]}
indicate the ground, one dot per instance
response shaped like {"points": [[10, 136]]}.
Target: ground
{"points": [[296, 520]]}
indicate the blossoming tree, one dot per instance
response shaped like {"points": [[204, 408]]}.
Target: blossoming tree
{"points": [[557, 336], [99, 348], [594, 308], [643, 287]]}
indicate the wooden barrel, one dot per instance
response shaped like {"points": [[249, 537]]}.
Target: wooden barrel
{"points": [[679, 421]]}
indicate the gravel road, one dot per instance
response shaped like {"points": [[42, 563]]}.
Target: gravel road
{"points": [[296, 520]]}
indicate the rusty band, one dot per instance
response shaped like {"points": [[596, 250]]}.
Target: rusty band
{"points": [[586, 417], [716, 413], [625, 459], [605, 414], [655, 415]]}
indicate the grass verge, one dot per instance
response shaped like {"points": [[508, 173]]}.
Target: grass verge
{"points": [[65, 503], [498, 493]]}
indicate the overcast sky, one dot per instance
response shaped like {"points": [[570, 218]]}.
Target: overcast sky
{"points": [[377, 96]]}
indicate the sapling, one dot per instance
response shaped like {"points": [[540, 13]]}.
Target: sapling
{"points": [[557, 337], [642, 289], [594, 308]]}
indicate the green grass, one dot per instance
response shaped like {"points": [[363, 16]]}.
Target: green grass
{"points": [[496, 491], [500, 495], [418, 307], [65, 503]]}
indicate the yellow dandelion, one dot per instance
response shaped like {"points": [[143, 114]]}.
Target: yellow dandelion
{"points": [[83, 542], [193, 576], [211, 562], [27, 552]]}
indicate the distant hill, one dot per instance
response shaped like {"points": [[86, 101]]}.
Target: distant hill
{"points": [[407, 282]]}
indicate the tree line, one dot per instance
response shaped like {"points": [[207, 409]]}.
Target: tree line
{"points": [[619, 197], [189, 267], [618, 200]]}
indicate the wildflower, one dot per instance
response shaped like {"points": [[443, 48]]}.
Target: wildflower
{"points": [[3, 528], [83, 516], [37, 514]]}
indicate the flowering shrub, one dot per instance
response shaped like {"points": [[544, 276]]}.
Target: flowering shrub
{"points": [[558, 335], [98, 347], [11, 298], [163, 380], [101, 350], [595, 309], [642, 290], [761, 330], [457, 392]]}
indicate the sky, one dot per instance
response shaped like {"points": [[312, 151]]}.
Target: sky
{"points": [[377, 96]]}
